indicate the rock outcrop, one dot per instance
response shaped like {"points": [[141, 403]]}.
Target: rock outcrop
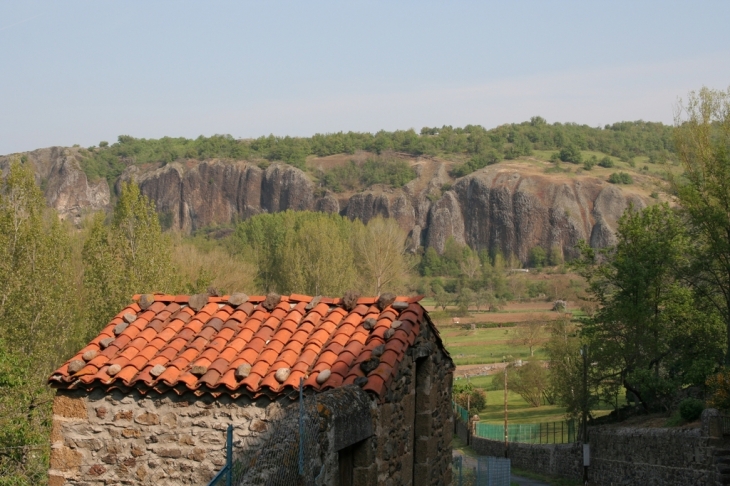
{"points": [[514, 212], [193, 195], [502, 207], [65, 186]]}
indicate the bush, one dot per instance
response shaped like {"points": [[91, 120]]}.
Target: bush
{"points": [[571, 153], [620, 178], [478, 161], [718, 386], [537, 257], [378, 170], [606, 162], [466, 395], [691, 408]]}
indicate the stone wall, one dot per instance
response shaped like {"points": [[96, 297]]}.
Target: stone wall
{"points": [[414, 426], [117, 438], [652, 457], [564, 460], [102, 438], [623, 456]]}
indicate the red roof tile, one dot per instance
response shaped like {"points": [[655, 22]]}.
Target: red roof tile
{"points": [[221, 338]]}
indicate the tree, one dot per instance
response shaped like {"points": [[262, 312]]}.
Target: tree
{"points": [[652, 334], [529, 334], [485, 297], [565, 367], [465, 299], [37, 312], [530, 381], [38, 322], [320, 259], [702, 139], [556, 255], [301, 251], [474, 400], [430, 263], [537, 257], [470, 266], [442, 298], [381, 261], [129, 256]]}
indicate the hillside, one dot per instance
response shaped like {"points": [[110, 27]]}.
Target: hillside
{"points": [[503, 189]]}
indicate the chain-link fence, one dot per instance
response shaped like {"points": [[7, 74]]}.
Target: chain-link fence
{"points": [[288, 454], [461, 412], [564, 432], [480, 471]]}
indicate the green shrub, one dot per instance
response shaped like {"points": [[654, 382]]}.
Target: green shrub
{"points": [[620, 178], [606, 162], [691, 408], [571, 153], [377, 170], [590, 163], [479, 161]]}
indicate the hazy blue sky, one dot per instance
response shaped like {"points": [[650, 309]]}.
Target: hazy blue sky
{"points": [[81, 72]]}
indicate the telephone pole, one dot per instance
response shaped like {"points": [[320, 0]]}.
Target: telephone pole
{"points": [[506, 433]]}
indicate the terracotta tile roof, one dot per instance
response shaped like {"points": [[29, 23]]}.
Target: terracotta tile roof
{"points": [[170, 346]]}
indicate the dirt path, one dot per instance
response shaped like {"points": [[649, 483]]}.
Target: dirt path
{"points": [[469, 462]]}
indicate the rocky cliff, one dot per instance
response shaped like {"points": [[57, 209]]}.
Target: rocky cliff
{"points": [[512, 207], [65, 186], [501, 207]]}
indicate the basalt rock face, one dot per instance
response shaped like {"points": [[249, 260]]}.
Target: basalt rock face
{"points": [[65, 186], [512, 212], [500, 207], [194, 195]]}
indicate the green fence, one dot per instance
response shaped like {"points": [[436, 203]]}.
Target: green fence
{"points": [[544, 433], [461, 412]]}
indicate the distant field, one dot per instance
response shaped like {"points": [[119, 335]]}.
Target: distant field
{"points": [[487, 346], [491, 346], [484, 346], [519, 412]]}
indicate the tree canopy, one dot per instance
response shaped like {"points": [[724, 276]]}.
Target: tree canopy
{"points": [[652, 334], [480, 145], [702, 137]]}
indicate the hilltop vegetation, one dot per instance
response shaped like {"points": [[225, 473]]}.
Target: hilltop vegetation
{"points": [[478, 145]]}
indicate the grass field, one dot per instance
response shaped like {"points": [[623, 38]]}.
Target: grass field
{"points": [[490, 346], [484, 346], [519, 412]]}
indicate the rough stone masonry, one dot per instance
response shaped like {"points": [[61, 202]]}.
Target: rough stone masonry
{"points": [[113, 437]]}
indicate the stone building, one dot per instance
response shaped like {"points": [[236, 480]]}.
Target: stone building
{"points": [[149, 399]]}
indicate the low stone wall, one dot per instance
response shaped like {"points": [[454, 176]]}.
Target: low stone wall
{"points": [[666, 457], [118, 438], [564, 460], [624, 456]]}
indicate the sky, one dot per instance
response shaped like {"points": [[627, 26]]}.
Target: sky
{"points": [[79, 72]]}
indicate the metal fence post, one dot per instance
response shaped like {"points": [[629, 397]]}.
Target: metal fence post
{"points": [[229, 455], [301, 427]]}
